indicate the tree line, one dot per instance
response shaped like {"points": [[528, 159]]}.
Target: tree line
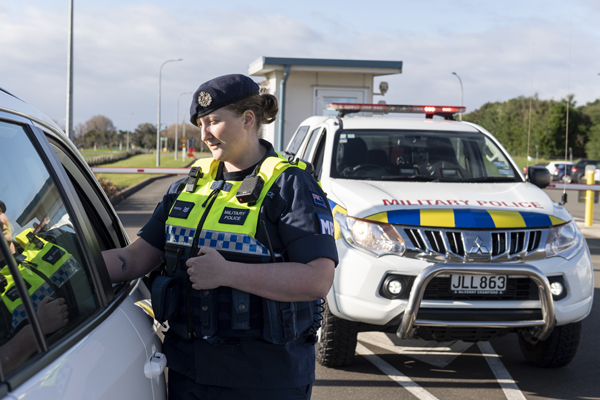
{"points": [[546, 123], [510, 122], [99, 131]]}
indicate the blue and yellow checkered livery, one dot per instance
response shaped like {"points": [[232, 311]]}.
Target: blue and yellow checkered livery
{"points": [[467, 218], [226, 241]]}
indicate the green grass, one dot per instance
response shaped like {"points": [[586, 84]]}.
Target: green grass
{"points": [[142, 161], [99, 152]]}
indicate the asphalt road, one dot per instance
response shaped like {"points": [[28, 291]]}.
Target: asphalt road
{"points": [[384, 368]]}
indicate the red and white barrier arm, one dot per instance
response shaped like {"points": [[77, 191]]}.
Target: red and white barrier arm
{"points": [[133, 170], [572, 186]]}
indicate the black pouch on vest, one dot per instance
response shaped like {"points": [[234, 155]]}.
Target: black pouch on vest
{"points": [[279, 325], [165, 298]]}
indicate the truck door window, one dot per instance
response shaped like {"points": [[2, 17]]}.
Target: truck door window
{"points": [[46, 248], [314, 137], [297, 140], [317, 160]]}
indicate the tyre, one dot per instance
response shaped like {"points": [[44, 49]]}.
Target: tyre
{"points": [[336, 340], [556, 351]]}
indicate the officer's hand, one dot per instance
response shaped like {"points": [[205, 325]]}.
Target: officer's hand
{"points": [[207, 271], [52, 314]]}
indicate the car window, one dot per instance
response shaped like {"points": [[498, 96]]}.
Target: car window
{"points": [[317, 160], [420, 155], [46, 249], [297, 140], [314, 137], [102, 225]]}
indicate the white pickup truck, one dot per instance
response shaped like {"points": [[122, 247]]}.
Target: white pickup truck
{"points": [[441, 237]]}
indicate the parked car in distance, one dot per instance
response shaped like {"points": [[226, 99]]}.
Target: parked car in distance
{"points": [[553, 168], [56, 221], [578, 170], [562, 173]]}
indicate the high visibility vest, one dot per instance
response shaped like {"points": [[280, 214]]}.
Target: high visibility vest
{"points": [[45, 269], [209, 214]]}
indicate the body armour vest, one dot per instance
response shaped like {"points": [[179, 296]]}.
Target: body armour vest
{"points": [[46, 269], [208, 213]]}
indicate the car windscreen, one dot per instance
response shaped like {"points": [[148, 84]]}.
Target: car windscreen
{"points": [[407, 155]]}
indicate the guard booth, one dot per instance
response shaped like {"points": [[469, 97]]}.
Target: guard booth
{"points": [[304, 86]]}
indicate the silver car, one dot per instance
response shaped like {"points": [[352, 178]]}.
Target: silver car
{"points": [[66, 332]]}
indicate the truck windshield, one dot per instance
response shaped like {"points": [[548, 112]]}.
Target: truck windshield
{"points": [[402, 155]]}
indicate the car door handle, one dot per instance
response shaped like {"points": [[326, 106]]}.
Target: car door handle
{"points": [[155, 366]]}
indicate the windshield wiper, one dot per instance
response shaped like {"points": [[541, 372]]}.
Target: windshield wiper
{"points": [[416, 178], [492, 179]]}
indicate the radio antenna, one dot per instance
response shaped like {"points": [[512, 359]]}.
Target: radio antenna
{"points": [[529, 125], [563, 199]]}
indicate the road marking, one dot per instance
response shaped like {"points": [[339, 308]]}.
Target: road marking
{"points": [[508, 385], [394, 374], [438, 354]]}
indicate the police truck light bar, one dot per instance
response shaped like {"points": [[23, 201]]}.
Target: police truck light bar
{"points": [[429, 111]]}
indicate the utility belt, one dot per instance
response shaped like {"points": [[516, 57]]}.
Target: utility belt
{"points": [[227, 315]]}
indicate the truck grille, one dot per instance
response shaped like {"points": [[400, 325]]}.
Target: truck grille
{"points": [[516, 289], [474, 245]]}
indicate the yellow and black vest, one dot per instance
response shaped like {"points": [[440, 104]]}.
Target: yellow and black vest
{"points": [[208, 213], [46, 269]]}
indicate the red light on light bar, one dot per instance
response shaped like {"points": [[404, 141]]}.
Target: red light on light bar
{"points": [[450, 109], [429, 109]]}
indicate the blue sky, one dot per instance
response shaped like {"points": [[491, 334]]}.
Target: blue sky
{"points": [[500, 49]]}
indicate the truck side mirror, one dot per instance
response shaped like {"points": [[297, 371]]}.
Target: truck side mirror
{"points": [[539, 176]]}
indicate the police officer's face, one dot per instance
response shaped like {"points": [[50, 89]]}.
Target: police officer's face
{"points": [[5, 226], [225, 134], [6, 232]]}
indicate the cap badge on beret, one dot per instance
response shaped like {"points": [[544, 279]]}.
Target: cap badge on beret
{"points": [[204, 99]]}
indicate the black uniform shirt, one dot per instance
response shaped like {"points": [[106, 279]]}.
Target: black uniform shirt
{"points": [[299, 225]]}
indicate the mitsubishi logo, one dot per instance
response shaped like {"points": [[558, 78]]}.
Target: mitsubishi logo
{"points": [[478, 248]]}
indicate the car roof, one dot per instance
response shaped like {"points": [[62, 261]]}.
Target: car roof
{"points": [[406, 123], [13, 105], [560, 162]]}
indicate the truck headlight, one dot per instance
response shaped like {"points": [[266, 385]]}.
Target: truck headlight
{"points": [[375, 238], [564, 241]]}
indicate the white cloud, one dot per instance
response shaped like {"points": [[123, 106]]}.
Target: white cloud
{"points": [[118, 52]]}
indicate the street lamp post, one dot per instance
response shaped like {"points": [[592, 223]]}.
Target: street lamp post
{"points": [[158, 124], [177, 123], [128, 118], [461, 93], [69, 119], [184, 150]]}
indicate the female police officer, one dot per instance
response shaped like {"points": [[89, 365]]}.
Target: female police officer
{"points": [[247, 253]]}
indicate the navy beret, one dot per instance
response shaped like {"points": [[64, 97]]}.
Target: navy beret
{"points": [[2, 207], [220, 92]]}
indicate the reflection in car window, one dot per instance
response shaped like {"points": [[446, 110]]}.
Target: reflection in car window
{"points": [[420, 156], [47, 251]]}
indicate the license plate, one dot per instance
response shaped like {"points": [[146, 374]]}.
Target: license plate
{"points": [[478, 284]]}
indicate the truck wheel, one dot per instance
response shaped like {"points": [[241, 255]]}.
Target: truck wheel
{"points": [[336, 340], [556, 351]]}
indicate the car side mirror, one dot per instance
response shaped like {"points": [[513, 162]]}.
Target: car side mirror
{"points": [[539, 176]]}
